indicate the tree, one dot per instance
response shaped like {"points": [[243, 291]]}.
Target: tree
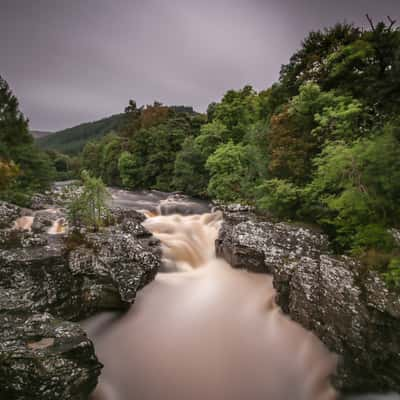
{"points": [[130, 170], [17, 150], [309, 64], [13, 125], [357, 186], [89, 207], [227, 167], [237, 110], [8, 172], [298, 133], [190, 175], [211, 136]]}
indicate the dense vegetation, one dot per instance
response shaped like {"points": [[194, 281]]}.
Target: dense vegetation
{"points": [[71, 141], [322, 145], [24, 169]]}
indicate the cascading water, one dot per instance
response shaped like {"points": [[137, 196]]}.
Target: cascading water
{"points": [[210, 332]]}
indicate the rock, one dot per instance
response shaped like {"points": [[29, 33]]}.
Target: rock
{"points": [[45, 279], [74, 276], [8, 214], [42, 358], [40, 201], [351, 310], [121, 258], [261, 246], [235, 213], [396, 235], [44, 219]]}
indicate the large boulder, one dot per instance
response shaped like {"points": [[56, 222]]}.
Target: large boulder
{"points": [[42, 358], [349, 308], [73, 276], [8, 214]]}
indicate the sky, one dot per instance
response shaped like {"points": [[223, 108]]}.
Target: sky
{"points": [[74, 61]]}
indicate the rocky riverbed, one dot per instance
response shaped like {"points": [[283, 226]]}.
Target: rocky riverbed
{"points": [[350, 309], [51, 280]]}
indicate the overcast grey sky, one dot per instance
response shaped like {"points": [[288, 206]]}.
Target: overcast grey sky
{"points": [[73, 61]]}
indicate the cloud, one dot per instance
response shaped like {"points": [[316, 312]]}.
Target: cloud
{"points": [[69, 62]]}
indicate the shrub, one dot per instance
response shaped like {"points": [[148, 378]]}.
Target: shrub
{"points": [[89, 207]]}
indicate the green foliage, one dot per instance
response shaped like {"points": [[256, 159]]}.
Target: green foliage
{"points": [[35, 170], [279, 197], [373, 236], [356, 185], [8, 173], [227, 167], [321, 145], [72, 140], [392, 276], [237, 110], [89, 207], [130, 170], [211, 136], [190, 175], [66, 167]]}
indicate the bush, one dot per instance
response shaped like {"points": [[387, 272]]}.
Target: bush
{"points": [[392, 276], [279, 197], [89, 207]]}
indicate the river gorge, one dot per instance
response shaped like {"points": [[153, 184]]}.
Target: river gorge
{"points": [[207, 324]]}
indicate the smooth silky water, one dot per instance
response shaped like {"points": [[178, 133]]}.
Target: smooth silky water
{"points": [[206, 331]]}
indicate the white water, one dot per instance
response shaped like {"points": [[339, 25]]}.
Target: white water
{"points": [[210, 332], [58, 226]]}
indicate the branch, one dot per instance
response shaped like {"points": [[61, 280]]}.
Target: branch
{"points": [[392, 22], [370, 22]]}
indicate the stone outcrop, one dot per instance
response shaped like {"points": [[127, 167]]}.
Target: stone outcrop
{"points": [[350, 309], [47, 280], [42, 358], [8, 214]]}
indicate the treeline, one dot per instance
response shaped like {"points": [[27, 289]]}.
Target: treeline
{"points": [[322, 145], [72, 140], [143, 153], [24, 169]]}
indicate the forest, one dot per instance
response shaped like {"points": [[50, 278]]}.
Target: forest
{"points": [[321, 146]]}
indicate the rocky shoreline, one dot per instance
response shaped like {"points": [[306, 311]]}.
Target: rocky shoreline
{"points": [[351, 310], [49, 282]]}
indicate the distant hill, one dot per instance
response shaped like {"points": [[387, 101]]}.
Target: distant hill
{"points": [[72, 140], [40, 134]]}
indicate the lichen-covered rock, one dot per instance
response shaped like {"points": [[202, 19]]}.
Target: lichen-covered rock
{"points": [[44, 219], [73, 277], [261, 246], [351, 310], [120, 259], [45, 279], [42, 358], [8, 214], [235, 213], [40, 201]]}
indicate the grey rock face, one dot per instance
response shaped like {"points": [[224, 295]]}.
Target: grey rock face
{"points": [[45, 279], [41, 201], [74, 276], [8, 214], [43, 219], [351, 310], [42, 358]]}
